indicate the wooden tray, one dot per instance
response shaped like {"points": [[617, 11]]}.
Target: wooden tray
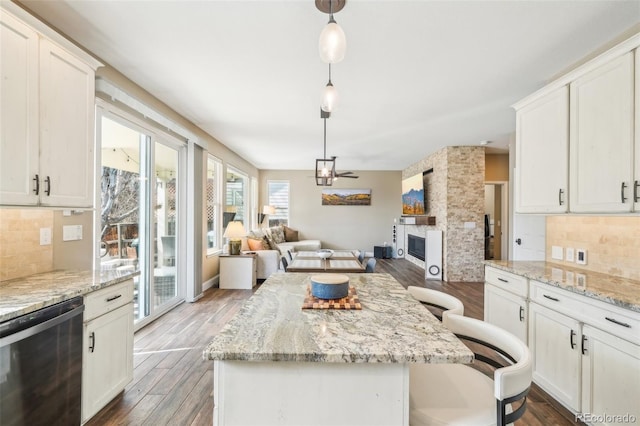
{"points": [[349, 302]]}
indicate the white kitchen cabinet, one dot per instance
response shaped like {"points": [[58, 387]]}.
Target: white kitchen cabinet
{"points": [[48, 115], [542, 153], [18, 111], [107, 362], [505, 301], [554, 341], [602, 137], [610, 375]]}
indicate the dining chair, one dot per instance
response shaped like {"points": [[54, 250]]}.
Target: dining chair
{"points": [[360, 256], [290, 254], [443, 302], [463, 395], [285, 264], [371, 265]]}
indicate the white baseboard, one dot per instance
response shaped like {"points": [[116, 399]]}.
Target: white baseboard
{"points": [[210, 283]]}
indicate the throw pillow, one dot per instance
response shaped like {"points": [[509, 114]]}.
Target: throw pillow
{"points": [[272, 243], [277, 233], [290, 235], [255, 244], [265, 243]]}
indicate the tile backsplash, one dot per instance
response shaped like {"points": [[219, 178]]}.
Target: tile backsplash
{"points": [[20, 251], [612, 242]]}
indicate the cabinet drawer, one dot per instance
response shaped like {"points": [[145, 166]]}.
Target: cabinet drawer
{"points": [[106, 300], [609, 318], [513, 283]]}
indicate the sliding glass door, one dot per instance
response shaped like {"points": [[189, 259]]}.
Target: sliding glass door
{"points": [[141, 199]]}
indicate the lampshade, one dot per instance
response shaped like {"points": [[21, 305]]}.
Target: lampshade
{"points": [[333, 43], [329, 97], [235, 230], [268, 210]]}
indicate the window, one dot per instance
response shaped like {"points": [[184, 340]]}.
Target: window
{"points": [[278, 193], [214, 203], [236, 196]]}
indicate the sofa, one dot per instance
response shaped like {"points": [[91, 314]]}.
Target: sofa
{"points": [[271, 243]]}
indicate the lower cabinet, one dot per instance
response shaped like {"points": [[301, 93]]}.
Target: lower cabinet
{"points": [[610, 376], [554, 341], [506, 310], [107, 362]]}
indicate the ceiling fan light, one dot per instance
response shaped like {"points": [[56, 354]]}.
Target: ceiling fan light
{"points": [[333, 43], [329, 97]]}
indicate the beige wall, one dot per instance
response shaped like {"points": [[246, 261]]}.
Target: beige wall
{"points": [[496, 167], [73, 254], [348, 227], [20, 251], [612, 242]]}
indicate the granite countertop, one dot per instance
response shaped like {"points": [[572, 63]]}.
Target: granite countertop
{"points": [[21, 296], [392, 327], [618, 291]]}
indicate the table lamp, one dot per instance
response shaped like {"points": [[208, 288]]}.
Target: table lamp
{"points": [[234, 232]]}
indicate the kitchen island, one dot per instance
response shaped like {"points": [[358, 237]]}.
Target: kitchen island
{"points": [[276, 363]]}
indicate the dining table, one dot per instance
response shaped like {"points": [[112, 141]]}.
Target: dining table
{"points": [[344, 261], [279, 361]]}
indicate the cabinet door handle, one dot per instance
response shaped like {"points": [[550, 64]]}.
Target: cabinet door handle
{"points": [[622, 188], [503, 280], [571, 336], [37, 190], [560, 192], [584, 346], [551, 298], [521, 314], [92, 345], [111, 299], [624, 324], [636, 184], [47, 180]]}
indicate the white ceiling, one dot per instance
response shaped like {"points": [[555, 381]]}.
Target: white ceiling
{"points": [[417, 76]]}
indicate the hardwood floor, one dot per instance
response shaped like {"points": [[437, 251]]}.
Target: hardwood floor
{"points": [[172, 384]]}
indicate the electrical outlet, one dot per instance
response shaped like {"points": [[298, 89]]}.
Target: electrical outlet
{"points": [[45, 236], [569, 254], [581, 256], [556, 252]]}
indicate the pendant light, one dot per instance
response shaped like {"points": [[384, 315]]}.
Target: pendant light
{"points": [[325, 167], [329, 95], [332, 43]]}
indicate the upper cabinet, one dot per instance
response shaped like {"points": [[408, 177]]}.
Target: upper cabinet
{"points": [[542, 133], [601, 139], [47, 118], [577, 149]]}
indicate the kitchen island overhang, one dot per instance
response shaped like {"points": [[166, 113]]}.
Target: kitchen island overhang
{"points": [[276, 363]]}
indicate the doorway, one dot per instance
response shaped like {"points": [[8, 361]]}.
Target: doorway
{"points": [[496, 206], [141, 192]]}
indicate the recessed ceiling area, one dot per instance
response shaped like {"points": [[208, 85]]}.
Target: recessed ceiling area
{"points": [[417, 75]]}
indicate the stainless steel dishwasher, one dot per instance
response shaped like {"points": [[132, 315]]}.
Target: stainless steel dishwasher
{"points": [[41, 366]]}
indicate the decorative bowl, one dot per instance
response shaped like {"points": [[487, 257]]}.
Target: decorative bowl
{"points": [[324, 253], [330, 286]]}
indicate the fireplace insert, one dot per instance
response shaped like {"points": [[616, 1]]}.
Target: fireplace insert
{"points": [[416, 246]]}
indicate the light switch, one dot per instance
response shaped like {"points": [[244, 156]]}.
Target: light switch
{"points": [[469, 225], [581, 256]]}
